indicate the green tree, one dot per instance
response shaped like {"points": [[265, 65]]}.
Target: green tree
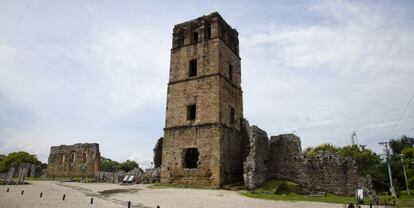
{"points": [[2, 157], [397, 145], [128, 165], [18, 157], [366, 160], [108, 165], [408, 153], [313, 151], [404, 146]]}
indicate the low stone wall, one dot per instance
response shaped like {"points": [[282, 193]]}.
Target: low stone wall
{"points": [[148, 176]]}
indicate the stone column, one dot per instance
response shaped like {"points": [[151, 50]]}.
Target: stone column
{"points": [[33, 171], [23, 169], [11, 173]]}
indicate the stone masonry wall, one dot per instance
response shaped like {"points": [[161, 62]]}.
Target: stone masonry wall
{"points": [[286, 158], [256, 163], [208, 48], [158, 153], [324, 172], [78, 160], [206, 139], [231, 156], [330, 172]]}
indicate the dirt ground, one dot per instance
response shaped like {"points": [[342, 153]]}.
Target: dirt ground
{"points": [[115, 195]]}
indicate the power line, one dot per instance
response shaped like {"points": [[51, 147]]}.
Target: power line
{"points": [[405, 122], [402, 115]]}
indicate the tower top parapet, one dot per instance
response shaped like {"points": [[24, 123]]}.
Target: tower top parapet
{"points": [[203, 29]]}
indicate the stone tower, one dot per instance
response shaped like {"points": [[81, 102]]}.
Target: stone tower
{"points": [[202, 136]]}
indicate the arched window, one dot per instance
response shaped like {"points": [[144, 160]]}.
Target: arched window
{"points": [[72, 157]]}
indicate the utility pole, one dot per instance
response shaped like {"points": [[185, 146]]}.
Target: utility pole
{"points": [[387, 156], [405, 174]]}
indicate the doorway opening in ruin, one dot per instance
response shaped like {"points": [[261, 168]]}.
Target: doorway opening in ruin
{"points": [[72, 157], [84, 156], [190, 158], [63, 158]]}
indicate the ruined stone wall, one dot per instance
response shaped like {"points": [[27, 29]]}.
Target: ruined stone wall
{"points": [[286, 158], [158, 153], [231, 156], [330, 172], [78, 160], [257, 160], [324, 172]]}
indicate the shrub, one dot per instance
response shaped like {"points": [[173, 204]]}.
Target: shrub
{"points": [[282, 188]]}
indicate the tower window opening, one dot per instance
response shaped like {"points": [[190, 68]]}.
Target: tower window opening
{"points": [[195, 37], [208, 32], [232, 117], [191, 112], [230, 72], [190, 158], [193, 68]]}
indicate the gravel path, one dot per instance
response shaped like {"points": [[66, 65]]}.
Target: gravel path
{"points": [[79, 195], [52, 197]]}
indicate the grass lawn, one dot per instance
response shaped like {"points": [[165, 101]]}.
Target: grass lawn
{"points": [[405, 201], [330, 198], [266, 191]]}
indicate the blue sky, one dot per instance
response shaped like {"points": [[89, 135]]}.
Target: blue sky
{"points": [[97, 71]]}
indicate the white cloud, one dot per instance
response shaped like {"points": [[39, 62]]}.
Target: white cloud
{"points": [[351, 70], [99, 74], [143, 161]]}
